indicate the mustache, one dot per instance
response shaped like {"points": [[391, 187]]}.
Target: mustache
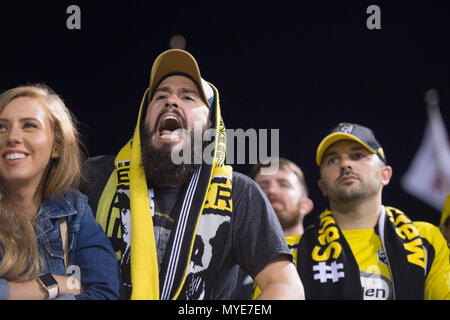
{"points": [[348, 172]]}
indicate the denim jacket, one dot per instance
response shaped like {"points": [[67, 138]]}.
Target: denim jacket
{"points": [[90, 257]]}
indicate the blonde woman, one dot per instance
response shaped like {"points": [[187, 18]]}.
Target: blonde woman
{"points": [[39, 169]]}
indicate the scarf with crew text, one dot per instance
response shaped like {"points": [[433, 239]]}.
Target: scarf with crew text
{"points": [[329, 270]]}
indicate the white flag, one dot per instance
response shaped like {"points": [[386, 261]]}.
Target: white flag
{"points": [[428, 177]]}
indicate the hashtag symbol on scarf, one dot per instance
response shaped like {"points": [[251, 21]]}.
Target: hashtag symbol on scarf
{"points": [[326, 272]]}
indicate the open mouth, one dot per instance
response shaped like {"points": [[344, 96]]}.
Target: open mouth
{"points": [[168, 126]]}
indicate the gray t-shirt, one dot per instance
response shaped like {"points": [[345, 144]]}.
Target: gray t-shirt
{"points": [[252, 239], [163, 219]]}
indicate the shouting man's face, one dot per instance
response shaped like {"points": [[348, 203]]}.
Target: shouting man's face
{"points": [[175, 107]]}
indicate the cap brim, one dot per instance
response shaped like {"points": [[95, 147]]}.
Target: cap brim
{"points": [[333, 138], [175, 61]]}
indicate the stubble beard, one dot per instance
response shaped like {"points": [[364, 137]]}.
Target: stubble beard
{"points": [[289, 219], [350, 195], [353, 193]]}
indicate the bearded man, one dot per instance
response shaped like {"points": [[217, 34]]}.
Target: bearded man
{"points": [[189, 224]]}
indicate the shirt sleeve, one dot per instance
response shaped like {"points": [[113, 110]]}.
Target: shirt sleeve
{"points": [[256, 232], [95, 258], [437, 283], [4, 289]]}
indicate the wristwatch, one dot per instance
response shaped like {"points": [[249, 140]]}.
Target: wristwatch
{"points": [[49, 284]]}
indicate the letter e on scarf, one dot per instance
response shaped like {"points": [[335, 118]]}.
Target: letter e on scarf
{"points": [[317, 256], [326, 221], [330, 234], [409, 231]]}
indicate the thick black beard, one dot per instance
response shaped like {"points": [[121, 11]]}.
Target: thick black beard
{"points": [[160, 171]]}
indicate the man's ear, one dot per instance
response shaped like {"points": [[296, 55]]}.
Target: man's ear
{"points": [[322, 187], [386, 174], [306, 206]]}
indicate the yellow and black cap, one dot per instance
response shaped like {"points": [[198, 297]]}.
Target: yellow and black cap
{"points": [[350, 131]]}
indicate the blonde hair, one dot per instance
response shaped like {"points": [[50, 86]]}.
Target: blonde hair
{"points": [[19, 254]]}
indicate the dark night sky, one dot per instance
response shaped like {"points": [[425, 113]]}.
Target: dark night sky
{"points": [[300, 67]]}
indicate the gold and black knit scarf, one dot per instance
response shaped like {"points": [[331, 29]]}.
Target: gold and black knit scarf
{"points": [[329, 270]]}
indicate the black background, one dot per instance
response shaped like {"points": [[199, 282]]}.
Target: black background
{"points": [[297, 66]]}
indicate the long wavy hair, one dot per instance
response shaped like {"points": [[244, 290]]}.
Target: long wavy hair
{"points": [[19, 255]]}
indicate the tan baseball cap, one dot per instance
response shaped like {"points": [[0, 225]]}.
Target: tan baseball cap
{"points": [[177, 61]]}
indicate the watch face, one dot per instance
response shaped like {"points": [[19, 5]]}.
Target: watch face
{"points": [[48, 280]]}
